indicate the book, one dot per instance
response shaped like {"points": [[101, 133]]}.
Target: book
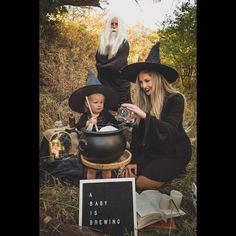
{"points": [[169, 224], [148, 210]]}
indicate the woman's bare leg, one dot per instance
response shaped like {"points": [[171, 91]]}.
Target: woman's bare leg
{"points": [[143, 183]]}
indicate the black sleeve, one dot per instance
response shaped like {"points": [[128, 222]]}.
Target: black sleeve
{"points": [[111, 119], [160, 130], [115, 63], [82, 121]]}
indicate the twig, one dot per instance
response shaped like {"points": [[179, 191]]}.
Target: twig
{"points": [[58, 202], [188, 129], [91, 111]]}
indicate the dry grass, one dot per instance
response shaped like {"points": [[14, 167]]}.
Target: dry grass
{"points": [[61, 202]]}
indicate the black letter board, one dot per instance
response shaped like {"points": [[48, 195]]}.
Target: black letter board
{"points": [[108, 205]]}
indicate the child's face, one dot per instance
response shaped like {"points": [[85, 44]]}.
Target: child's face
{"points": [[96, 102]]}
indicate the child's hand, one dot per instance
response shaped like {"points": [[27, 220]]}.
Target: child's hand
{"points": [[92, 120]]}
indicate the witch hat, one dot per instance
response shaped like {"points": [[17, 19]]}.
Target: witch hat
{"points": [[152, 63], [93, 85]]}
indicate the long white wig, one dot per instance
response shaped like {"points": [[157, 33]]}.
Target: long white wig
{"points": [[110, 46]]}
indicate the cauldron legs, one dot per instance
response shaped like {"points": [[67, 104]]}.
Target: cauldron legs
{"points": [[91, 173], [106, 169]]}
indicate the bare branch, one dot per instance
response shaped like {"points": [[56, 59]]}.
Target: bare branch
{"points": [[94, 3]]}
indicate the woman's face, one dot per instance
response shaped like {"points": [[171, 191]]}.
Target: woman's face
{"points": [[146, 82], [96, 102]]}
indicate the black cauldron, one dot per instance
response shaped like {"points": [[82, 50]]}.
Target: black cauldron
{"points": [[102, 147]]}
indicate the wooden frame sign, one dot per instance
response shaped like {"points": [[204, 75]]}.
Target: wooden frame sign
{"points": [[108, 205]]}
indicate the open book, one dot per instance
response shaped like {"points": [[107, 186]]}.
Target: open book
{"points": [[148, 211]]}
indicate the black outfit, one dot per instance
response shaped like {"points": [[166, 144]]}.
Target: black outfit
{"points": [[161, 147], [104, 118], [109, 72], [69, 169]]}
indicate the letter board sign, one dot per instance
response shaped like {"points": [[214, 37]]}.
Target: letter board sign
{"points": [[108, 205]]}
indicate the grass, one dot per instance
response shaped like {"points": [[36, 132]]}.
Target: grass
{"points": [[61, 202]]}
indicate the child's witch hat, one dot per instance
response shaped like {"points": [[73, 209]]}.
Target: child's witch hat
{"points": [[93, 85]]}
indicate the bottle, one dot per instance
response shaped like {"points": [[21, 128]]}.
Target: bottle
{"points": [[55, 148], [71, 120], [58, 123]]}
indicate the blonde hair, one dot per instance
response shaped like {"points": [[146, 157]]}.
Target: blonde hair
{"points": [[95, 96], [153, 104], [105, 37]]}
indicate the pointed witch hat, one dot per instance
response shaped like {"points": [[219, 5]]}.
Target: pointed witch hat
{"points": [[93, 85], [152, 63]]}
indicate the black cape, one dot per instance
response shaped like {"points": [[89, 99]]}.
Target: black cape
{"points": [[109, 72]]}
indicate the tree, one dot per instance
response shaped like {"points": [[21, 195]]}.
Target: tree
{"points": [[179, 44], [178, 49], [180, 36], [51, 7], [48, 7], [94, 3]]}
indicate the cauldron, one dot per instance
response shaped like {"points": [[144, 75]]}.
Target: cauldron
{"points": [[102, 147]]}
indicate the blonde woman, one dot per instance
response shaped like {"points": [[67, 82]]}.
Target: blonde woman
{"points": [[160, 147]]}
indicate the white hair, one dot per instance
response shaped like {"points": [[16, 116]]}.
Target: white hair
{"points": [[109, 45]]}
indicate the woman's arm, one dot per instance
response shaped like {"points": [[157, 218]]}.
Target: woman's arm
{"points": [[167, 126]]}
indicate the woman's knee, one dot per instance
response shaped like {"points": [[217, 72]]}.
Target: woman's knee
{"points": [[140, 184], [143, 183]]}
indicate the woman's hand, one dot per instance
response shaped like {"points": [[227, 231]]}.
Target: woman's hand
{"points": [[135, 109]]}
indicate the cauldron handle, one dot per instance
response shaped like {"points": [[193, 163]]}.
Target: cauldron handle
{"points": [[82, 145], [71, 130]]}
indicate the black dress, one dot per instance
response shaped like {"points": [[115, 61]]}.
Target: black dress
{"points": [[109, 72], [161, 147]]}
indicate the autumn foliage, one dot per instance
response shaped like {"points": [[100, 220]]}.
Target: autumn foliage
{"points": [[68, 45]]}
